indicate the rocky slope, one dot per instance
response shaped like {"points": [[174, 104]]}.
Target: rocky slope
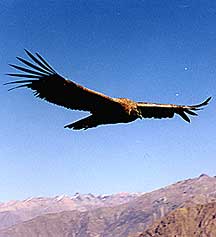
{"points": [[129, 219], [194, 221]]}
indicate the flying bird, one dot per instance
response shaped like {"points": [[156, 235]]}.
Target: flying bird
{"points": [[47, 84]]}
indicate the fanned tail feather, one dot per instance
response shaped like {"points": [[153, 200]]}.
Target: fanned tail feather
{"points": [[85, 123]]}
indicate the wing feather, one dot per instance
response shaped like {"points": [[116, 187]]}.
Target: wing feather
{"points": [[153, 110], [41, 63], [49, 85]]}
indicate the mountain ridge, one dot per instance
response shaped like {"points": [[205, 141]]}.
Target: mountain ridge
{"points": [[127, 219], [14, 212]]}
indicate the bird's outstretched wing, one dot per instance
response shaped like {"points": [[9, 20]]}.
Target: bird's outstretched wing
{"points": [[151, 110], [49, 85]]}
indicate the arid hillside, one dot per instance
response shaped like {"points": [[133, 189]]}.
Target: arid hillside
{"points": [[127, 219], [194, 221]]}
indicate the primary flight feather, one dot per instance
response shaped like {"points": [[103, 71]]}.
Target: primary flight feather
{"points": [[49, 85]]}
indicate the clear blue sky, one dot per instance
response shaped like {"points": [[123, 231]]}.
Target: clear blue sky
{"points": [[158, 51]]}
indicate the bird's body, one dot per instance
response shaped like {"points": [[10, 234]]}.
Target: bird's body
{"points": [[49, 85], [126, 112]]}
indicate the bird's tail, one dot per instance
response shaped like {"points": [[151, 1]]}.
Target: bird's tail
{"points": [[88, 122]]}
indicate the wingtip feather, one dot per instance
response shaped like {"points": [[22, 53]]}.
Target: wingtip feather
{"points": [[16, 87], [203, 103], [184, 116], [20, 81]]}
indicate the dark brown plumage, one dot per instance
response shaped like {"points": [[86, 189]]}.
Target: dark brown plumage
{"points": [[49, 85]]}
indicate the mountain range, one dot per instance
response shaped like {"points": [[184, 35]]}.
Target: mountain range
{"points": [[14, 212], [186, 208]]}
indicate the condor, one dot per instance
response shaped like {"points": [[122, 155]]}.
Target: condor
{"points": [[47, 84]]}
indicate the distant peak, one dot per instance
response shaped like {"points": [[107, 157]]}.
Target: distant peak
{"points": [[61, 197], [203, 175]]}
